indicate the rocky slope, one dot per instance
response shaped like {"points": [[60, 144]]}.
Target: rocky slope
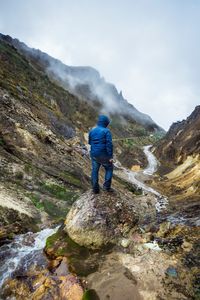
{"points": [[179, 154]]}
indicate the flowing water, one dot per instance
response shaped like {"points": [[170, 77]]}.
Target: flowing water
{"points": [[188, 216], [24, 251], [152, 161], [150, 170]]}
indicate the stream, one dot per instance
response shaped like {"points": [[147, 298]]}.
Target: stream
{"points": [[189, 214], [24, 251], [161, 201]]}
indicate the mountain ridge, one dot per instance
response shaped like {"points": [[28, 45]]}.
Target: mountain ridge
{"points": [[85, 82]]}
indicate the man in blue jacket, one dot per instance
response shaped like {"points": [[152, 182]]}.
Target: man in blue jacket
{"points": [[100, 139]]}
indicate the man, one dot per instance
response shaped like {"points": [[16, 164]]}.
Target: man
{"points": [[100, 139]]}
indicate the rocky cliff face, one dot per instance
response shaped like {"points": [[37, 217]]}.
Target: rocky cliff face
{"points": [[181, 141], [179, 154]]}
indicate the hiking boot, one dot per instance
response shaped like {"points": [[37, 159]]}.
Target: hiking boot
{"points": [[108, 190], [95, 192]]}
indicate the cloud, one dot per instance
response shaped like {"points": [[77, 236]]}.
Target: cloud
{"points": [[149, 49]]}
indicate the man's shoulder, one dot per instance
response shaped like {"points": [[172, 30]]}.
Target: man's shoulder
{"points": [[93, 128], [107, 130], [99, 129]]}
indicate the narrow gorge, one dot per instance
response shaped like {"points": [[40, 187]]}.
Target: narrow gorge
{"points": [[57, 239]]}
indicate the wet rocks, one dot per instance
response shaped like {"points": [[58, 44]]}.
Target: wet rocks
{"points": [[114, 281], [79, 260], [97, 220], [44, 286], [7, 232]]}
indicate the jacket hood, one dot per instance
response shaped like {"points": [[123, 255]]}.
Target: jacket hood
{"points": [[103, 121]]}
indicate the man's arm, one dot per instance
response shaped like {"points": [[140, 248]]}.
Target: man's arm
{"points": [[109, 144]]}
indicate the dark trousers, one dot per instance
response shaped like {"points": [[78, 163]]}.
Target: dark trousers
{"points": [[95, 174]]}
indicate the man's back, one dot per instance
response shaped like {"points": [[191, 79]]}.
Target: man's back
{"points": [[100, 139]]}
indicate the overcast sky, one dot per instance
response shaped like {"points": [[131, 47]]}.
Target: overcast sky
{"points": [[150, 49]]}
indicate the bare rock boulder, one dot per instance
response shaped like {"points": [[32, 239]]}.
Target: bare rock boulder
{"points": [[97, 220]]}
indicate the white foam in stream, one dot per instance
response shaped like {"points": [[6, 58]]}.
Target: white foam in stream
{"points": [[161, 201], [22, 251]]}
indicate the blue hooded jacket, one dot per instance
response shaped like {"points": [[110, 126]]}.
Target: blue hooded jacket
{"points": [[100, 139]]}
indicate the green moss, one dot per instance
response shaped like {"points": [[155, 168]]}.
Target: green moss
{"points": [[59, 192], [54, 211], [49, 207], [27, 168], [67, 246], [79, 257], [51, 240], [33, 171], [71, 179], [36, 201], [90, 295], [64, 246], [11, 235], [140, 139]]}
